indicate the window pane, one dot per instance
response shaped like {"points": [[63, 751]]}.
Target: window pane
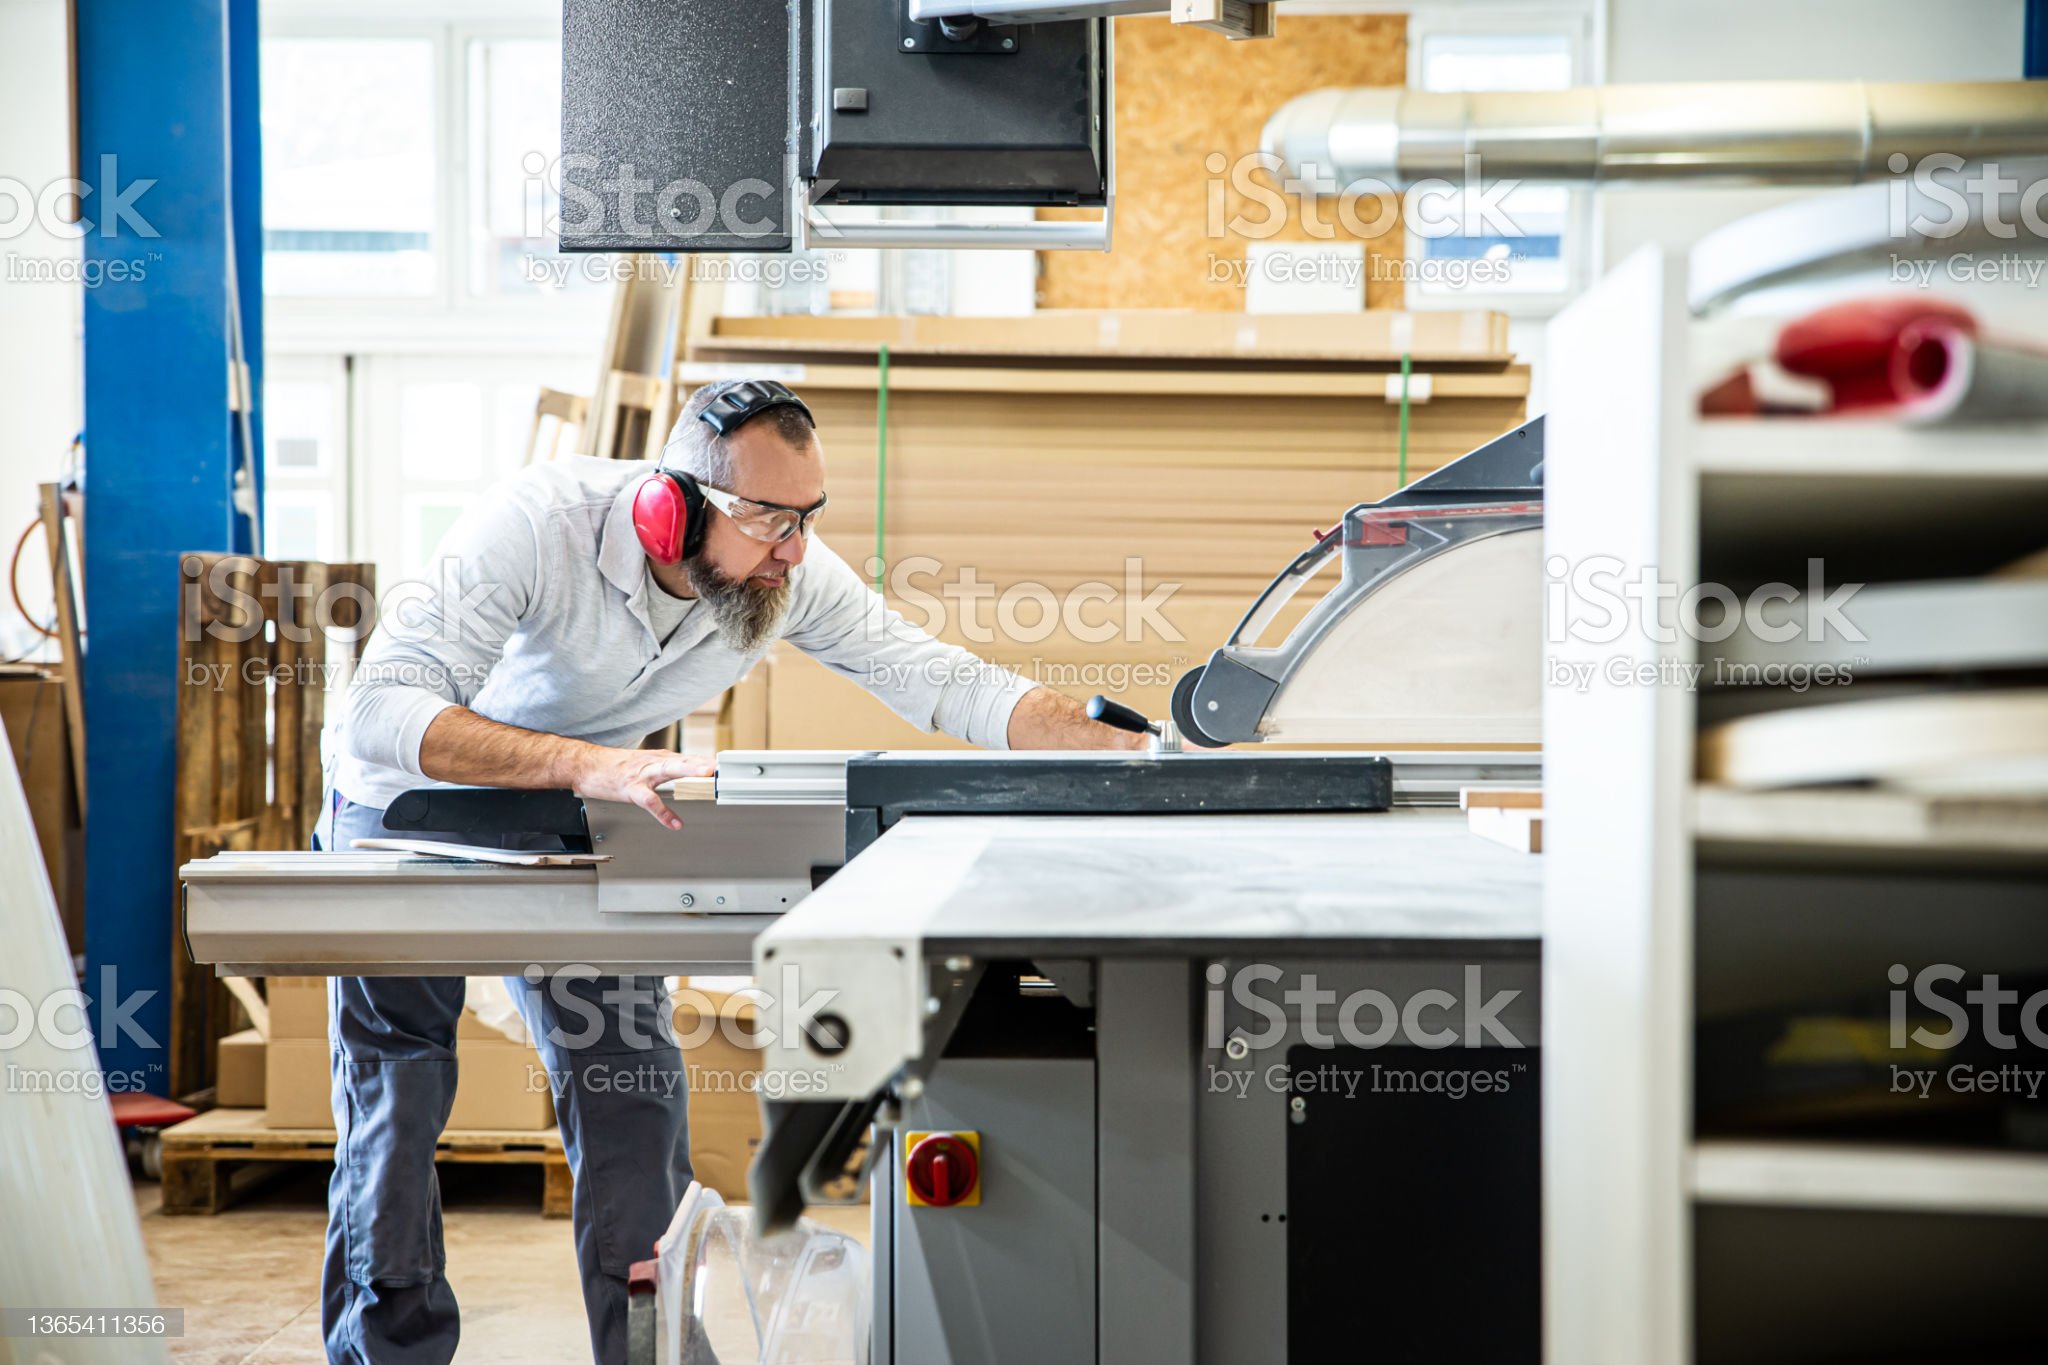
{"points": [[1529, 239], [1496, 61], [515, 132], [298, 426], [348, 166], [441, 427], [426, 519], [298, 525], [1520, 249]]}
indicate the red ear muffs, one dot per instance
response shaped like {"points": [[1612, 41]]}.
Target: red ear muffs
{"points": [[668, 516]]}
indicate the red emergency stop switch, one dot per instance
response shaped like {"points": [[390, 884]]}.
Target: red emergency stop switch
{"points": [[942, 1170]]}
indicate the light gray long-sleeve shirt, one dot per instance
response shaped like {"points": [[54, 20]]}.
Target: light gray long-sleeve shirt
{"points": [[536, 615]]}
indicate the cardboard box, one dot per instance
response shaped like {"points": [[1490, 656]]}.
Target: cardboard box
{"points": [[810, 707], [501, 1086], [297, 1084], [743, 713], [722, 1065], [298, 1007], [469, 1026], [724, 1135], [241, 1071]]}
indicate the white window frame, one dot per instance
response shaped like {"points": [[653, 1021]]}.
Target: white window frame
{"points": [[1583, 25], [378, 477]]}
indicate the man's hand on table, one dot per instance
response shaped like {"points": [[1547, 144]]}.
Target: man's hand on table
{"points": [[462, 747], [637, 776]]}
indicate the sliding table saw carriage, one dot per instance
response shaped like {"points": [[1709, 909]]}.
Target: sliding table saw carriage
{"points": [[1049, 993]]}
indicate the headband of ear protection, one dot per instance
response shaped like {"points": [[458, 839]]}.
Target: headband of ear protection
{"points": [[668, 507], [733, 408]]}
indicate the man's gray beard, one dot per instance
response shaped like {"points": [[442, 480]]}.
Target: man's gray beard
{"points": [[746, 616]]}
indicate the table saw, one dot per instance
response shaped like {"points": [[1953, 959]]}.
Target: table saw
{"points": [[1163, 1056]]}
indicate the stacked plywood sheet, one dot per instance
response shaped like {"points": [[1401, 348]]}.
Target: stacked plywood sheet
{"points": [[1060, 336], [1088, 463]]}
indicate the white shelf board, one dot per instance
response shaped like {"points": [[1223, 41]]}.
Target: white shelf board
{"points": [[1875, 827], [1840, 1175], [1874, 499], [1868, 448]]}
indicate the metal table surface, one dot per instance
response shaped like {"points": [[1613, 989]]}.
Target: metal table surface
{"points": [[871, 946], [1179, 884], [664, 903], [389, 914]]}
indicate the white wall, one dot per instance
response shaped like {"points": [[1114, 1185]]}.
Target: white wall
{"points": [[40, 401], [1877, 40]]}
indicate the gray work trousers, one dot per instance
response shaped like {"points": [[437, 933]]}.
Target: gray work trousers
{"points": [[611, 1060]]}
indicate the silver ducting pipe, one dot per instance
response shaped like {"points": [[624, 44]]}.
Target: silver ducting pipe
{"points": [[1757, 132]]}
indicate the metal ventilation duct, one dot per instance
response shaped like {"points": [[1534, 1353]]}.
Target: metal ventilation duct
{"points": [[1758, 132]]}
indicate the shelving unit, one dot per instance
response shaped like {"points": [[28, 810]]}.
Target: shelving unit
{"points": [[1815, 1175], [1868, 448], [1865, 493], [1668, 902], [1863, 828]]}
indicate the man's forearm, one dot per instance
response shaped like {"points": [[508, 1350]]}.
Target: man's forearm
{"points": [[461, 746], [1045, 719]]}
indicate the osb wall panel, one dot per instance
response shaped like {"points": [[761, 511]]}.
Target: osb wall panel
{"points": [[1184, 93]]}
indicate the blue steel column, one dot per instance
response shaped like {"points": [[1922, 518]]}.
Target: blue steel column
{"points": [[152, 107], [245, 193]]}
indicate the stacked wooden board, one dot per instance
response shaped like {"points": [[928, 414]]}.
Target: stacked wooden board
{"points": [[1087, 463], [32, 708]]}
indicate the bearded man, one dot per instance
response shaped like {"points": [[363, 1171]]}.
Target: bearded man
{"points": [[579, 607]]}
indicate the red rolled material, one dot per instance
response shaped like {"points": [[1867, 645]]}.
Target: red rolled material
{"points": [[1850, 347]]}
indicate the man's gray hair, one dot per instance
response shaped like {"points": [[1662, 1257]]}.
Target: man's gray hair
{"points": [[695, 449]]}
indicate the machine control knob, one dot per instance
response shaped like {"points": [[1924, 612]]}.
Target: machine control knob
{"points": [[1164, 736], [1116, 714], [943, 1170]]}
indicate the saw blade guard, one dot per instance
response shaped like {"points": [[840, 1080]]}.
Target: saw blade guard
{"points": [[1431, 633], [728, 1297]]}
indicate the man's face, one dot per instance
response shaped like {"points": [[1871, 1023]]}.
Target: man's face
{"points": [[745, 581], [767, 468]]}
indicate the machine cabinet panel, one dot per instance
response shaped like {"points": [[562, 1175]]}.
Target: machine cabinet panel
{"points": [[1414, 1217], [1013, 1277]]}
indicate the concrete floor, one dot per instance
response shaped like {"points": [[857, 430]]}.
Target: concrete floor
{"points": [[249, 1279]]}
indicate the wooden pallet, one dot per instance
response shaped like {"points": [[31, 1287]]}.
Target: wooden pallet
{"points": [[202, 1155], [254, 664]]}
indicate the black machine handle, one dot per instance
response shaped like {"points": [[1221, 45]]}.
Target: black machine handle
{"points": [[1118, 716]]}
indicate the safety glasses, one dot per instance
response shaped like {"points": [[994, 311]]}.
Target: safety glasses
{"points": [[767, 521]]}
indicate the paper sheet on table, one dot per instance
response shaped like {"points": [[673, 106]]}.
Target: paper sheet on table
{"points": [[432, 848]]}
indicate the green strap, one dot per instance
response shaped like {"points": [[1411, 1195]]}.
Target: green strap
{"points": [[1401, 475], [881, 461]]}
